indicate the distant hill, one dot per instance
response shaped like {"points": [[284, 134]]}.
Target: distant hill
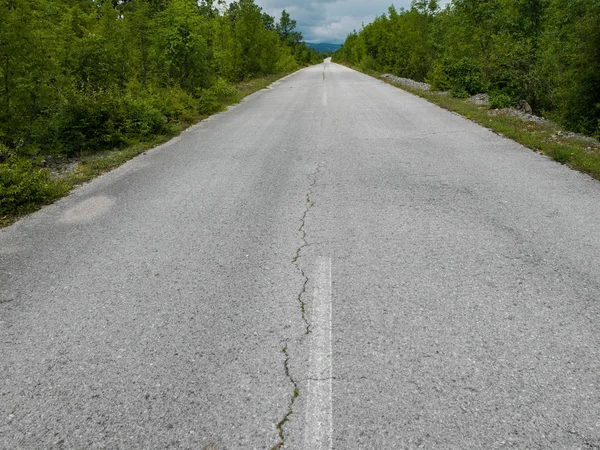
{"points": [[324, 48]]}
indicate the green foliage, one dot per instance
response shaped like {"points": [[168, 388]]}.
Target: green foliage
{"points": [[215, 98], [570, 58], [23, 186], [174, 103], [79, 76], [465, 78], [101, 120], [368, 63], [400, 43], [287, 63], [82, 76], [438, 78], [286, 28], [579, 152], [544, 51], [501, 100]]}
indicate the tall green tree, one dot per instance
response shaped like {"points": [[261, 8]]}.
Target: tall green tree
{"points": [[544, 51], [86, 75], [286, 28]]}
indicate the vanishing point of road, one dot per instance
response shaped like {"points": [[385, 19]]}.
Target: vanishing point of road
{"points": [[331, 264]]}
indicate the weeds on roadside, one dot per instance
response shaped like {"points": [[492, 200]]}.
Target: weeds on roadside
{"points": [[576, 151], [27, 183]]}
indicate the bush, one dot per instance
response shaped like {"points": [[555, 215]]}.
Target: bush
{"points": [[368, 63], [459, 92], [286, 62], [438, 78], [174, 103], [465, 78], [92, 122], [138, 119], [501, 100], [85, 124], [217, 97], [24, 186]]}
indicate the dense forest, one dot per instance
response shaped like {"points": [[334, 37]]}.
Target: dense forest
{"points": [[88, 75], [546, 52], [78, 77]]}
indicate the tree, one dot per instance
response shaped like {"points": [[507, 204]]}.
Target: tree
{"points": [[286, 28], [88, 75], [544, 51]]}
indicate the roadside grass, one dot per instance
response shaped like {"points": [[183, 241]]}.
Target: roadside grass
{"points": [[579, 152], [246, 88], [576, 151], [27, 185]]}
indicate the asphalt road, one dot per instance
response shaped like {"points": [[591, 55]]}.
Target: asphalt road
{"points": [[332, 263]]}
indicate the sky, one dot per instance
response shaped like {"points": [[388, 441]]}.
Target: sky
{"points": [[330, 20]]}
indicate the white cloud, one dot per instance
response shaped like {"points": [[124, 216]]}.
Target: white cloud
{"points": [[336, 30], [330, 20]]}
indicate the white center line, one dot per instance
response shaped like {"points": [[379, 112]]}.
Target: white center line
{"points": [[319, 411]]}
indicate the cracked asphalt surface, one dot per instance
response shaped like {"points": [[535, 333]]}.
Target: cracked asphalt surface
{"points": [[167, 303]]}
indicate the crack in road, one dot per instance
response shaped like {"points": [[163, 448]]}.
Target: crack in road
{"points": [[300, 298], [295, 395], [310, 204]]}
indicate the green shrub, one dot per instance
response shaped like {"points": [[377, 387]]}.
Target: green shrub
{"points": [[92, 122], [501, 100], [465, 78], [137, 118], [286, 62], [217, 97], [459, 92], [23, 186], [85, 124], [174, 103], [438, 78], [368, 63], [5, 154]]}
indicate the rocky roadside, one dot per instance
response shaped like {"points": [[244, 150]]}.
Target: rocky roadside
{"points": [[521, 112], [406, 82]]}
